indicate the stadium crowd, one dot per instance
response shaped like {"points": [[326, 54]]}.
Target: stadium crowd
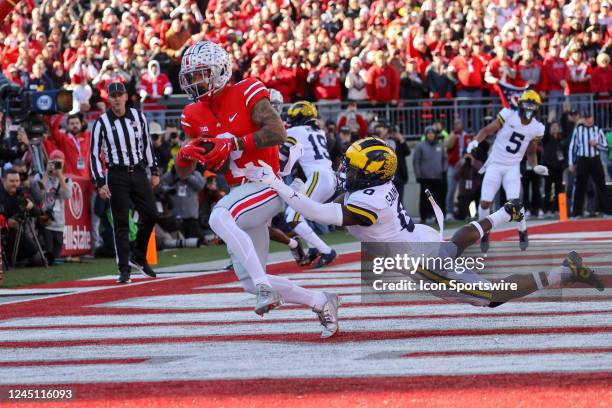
{"points": [[372, 53]]}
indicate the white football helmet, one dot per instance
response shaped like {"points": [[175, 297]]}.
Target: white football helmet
{"points": [[205, 69], [276, 100]]}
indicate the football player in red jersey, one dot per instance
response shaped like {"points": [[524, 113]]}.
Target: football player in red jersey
{"points": [[244, 129]]}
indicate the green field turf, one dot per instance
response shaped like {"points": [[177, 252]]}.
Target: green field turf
{"points": [[106, 266]]}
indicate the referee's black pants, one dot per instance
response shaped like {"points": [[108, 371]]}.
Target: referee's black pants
{"points": [[585, 167], [126, 185]]}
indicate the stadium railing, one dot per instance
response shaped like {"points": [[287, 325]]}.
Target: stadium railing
{"points": [[413, 116]]}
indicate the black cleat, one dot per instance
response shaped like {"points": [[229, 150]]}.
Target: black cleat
{"points": [[313, 254], [143, 267], [581, 273], [124, 277], [326, 259], [484, 242], [298, 253], [523, 240], [515, 209]]}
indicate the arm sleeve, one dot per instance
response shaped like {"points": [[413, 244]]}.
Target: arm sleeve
{"points": [[327, 214], [572, 148], [96, 148], [602, 143], [148, 148]]}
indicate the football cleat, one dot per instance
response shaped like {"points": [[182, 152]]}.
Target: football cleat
{"points": [[298, 253], [326, 259], [313, 254], [484, 242], [328, 315], [581, 273], [523, 240], [124, 277], [515, 209], [268, 299], [143, 267]]}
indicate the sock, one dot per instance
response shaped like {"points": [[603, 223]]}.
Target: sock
{"points": [[483, 213], [293, 293], [292, 243], [239, 243], [499, 217], [304, 231], [551, 278]]}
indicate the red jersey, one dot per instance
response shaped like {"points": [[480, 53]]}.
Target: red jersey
{"points": [[230, 112]]}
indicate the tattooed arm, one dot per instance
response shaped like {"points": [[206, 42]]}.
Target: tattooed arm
{"points": [[272, 130]]}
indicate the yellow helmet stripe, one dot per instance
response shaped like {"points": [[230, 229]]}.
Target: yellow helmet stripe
{"points": [[364, 212]]}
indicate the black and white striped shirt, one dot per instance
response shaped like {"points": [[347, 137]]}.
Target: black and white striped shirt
{"points": [[580, 145], [124, 141]]}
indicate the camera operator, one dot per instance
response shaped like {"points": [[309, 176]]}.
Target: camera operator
{"points": [[185, 199], [161, 147], [402, 151], [13, 148], [17, 208], [57, 189], [174, 138], [74, 143]]}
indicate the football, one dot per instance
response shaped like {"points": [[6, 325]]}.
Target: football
{"points": [[208, 147]]}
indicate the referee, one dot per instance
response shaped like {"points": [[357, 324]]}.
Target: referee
{"points": [[122, 135], [587, 142]]}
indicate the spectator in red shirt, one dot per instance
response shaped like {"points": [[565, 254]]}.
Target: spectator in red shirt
{"points": [[74, 144], [467, 70], [601, 86], [501, 68], [280, 77], [579, 79], [530, 71], [154, 86], [354, 120], [325, 81], [382, 80], [557, 75]]}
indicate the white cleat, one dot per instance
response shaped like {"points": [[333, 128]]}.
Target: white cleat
{"points": [[267, 299], [328, 316]]}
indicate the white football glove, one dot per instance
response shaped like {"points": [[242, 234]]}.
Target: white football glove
{"points": [[541, 170], [471, 146], [262, 173]]}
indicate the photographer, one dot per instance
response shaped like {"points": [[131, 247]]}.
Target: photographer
{"points": [[174, 139], [13, 147], [184, 193], [161, 147], [75, 143], [17, 208], [57, 189]]}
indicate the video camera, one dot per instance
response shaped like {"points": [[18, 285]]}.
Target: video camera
{"points": [[24, 107]]}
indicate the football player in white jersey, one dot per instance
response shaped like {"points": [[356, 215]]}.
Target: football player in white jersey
{"points": [[371, 212], [516, 130], [321, 181]]}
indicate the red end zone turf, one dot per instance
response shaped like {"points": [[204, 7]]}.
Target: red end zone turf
{"points": [[193, 341]]}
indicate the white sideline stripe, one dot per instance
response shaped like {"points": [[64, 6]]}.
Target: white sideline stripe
{"points": [[265, 328], [396, 347], [305, 363], [286, 314]]}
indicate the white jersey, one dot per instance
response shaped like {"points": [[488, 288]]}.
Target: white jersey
{"points": [[314, 141], [380, 207], [513, 138]]}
